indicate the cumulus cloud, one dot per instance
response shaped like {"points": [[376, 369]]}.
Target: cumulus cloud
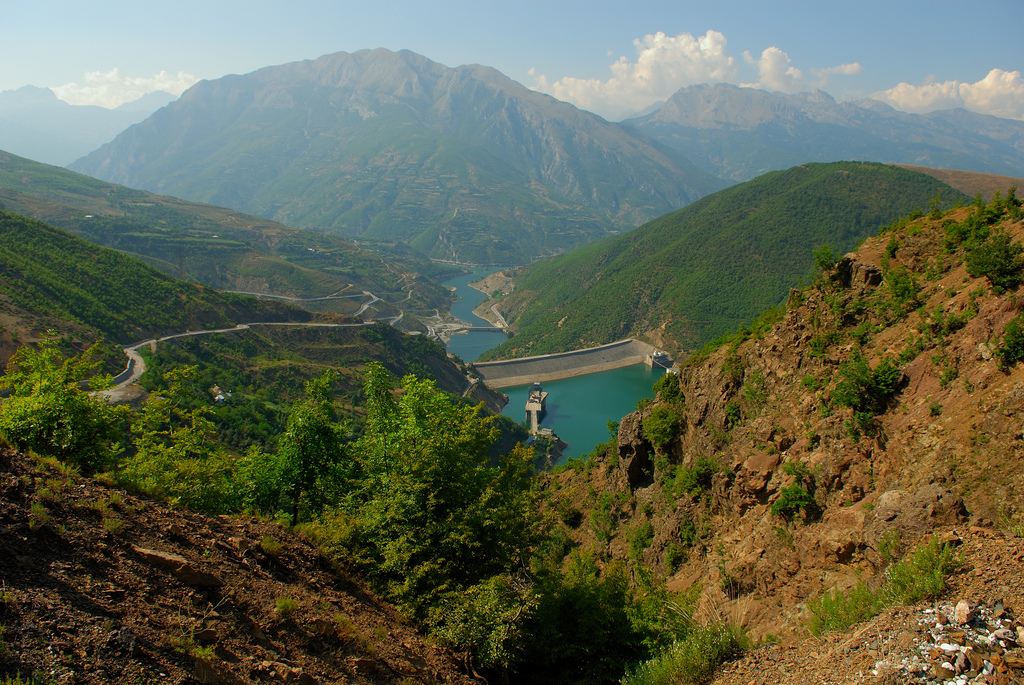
{"points": [[112, 88], [664, 64], [776, 72], [1000, 93]]}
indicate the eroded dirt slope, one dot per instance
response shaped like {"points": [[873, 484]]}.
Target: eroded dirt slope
{"points": [[100, 586]]}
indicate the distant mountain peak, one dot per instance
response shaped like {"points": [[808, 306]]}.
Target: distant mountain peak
{"points": [[462, 162]]}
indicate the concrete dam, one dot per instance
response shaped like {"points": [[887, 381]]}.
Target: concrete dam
{"points": [[550, 367]]}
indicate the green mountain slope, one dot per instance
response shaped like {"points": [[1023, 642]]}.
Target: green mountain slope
{"points": [[220, 247], [49, 276], [464, 164], [691, 275]]}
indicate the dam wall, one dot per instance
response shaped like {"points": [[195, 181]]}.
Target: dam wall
{"points": [[551, 367]]}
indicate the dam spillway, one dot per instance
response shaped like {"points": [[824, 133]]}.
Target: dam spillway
{"points": [[551, 367]]}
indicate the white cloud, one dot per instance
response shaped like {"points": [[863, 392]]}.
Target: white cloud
{"points": [[111, 88], [664, 64], [1000, 93]]}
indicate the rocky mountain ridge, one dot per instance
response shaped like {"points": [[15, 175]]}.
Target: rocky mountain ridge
{"points": [[739, 133]]}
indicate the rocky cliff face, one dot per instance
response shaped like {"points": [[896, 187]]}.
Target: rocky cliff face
{"points": [[770, 488]]}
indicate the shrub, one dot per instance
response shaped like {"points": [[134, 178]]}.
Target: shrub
{"points": [[793, 499], [1011, 349], [662, 424], [286, 607], [640, 538], [865, 390], [733, 413], [997, 259], [49, 411], [668, 389], [690, 660], [697, 478], [271, 547], [920, 575]]}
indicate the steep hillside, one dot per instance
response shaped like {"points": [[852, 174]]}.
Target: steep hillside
{"points": [[739, 133], [464, 164], [883, 406], [222, 248], [102, 586], [49, 278], [691, 275]]}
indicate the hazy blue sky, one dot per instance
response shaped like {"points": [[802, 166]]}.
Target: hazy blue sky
{"points": [[604, 56]]}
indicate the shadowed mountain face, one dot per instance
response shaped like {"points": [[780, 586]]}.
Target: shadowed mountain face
{"points": [[739, 133], [464, 164]]}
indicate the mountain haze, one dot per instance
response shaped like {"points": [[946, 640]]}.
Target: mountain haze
{"points": [[739, 133], [463, 163], [700, 271], [35, 124]]}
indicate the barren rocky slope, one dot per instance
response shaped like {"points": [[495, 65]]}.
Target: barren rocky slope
{"points": [[769, 491], [100, 586]]}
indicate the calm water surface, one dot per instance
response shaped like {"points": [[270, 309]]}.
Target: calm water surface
{"points": [[469, 346], [578, 409]]}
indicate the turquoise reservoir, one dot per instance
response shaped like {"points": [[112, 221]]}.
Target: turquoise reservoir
{"points": [[578, 409]]}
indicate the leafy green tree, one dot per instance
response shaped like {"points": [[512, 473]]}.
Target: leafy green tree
{"points": [[998, 259], [433, 516], [50, 412], [312, 446], [867, 391], [662, 424], [177, 455]]}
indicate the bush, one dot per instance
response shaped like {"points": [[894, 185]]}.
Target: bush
{"points": [[693, 480], [997, 259], [286, 607], [662, 424], [865, 390], [690, 660], [840, 610], [1011, 349], [793, 499], [51, 413], [668, 389], [920, 575]]}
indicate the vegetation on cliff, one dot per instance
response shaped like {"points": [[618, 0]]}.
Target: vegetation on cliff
{"points": [[801, 460]]}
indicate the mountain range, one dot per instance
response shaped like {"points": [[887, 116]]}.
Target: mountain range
{"points": [[462, 163], [739, 133], [34, 123]]}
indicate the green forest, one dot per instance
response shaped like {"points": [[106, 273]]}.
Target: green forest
{"points": [[696, 273], [53, 274]]}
